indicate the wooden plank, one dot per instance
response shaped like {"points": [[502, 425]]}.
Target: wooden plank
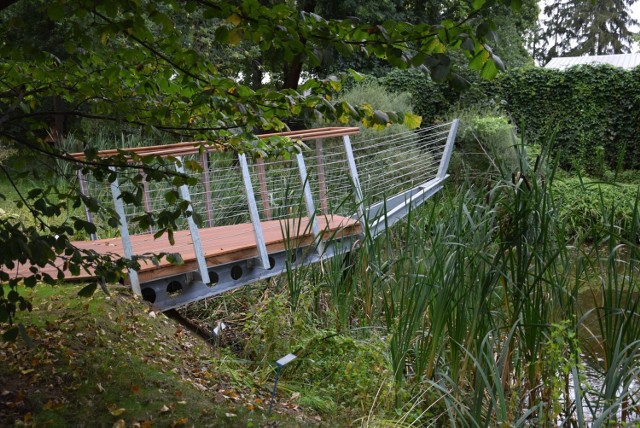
{"points": [[224, 244]]}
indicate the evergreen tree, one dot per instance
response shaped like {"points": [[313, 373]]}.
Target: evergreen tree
{"points": [[579, 27]]}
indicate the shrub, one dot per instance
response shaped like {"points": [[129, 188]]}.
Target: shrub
{"points": [[588, 207], [485, 144], [592, 109]]}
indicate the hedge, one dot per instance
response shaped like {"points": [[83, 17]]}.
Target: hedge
{"points": [[594, 111]]}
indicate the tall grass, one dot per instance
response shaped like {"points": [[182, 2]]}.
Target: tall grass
{"points": [[482, 293], [493, 311]]}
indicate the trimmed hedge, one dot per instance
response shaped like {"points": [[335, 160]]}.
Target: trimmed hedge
{"points": [[594, 111]]}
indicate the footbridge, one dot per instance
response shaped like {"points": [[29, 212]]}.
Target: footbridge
{"points": [[254, 218]]}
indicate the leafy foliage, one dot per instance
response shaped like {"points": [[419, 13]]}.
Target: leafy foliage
{"points": [[590, 109], [136, 64], [590, 208]]}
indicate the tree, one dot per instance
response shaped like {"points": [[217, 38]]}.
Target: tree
{"points": [[578, 27], [129, 62]]}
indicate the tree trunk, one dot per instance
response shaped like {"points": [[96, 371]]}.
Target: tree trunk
{"points": [[293, 71]]}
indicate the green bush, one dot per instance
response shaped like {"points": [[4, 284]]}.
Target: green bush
{"points": [[588, 207], [592, 109], [430, 100], [485, 145]]}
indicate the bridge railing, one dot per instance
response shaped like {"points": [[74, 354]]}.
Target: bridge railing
{"points": [[342, 173]]}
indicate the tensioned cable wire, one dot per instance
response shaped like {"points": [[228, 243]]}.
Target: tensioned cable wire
{"points": [[384, 163]]}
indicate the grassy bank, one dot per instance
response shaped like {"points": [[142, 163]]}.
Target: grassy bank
{"points": [[108, 361]]}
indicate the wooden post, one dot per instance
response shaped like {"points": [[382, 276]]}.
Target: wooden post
{"points": [[147, 201], [322, 185], [206, 179], [264, 192], [84, 189]]}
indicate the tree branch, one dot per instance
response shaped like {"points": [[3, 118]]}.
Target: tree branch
{"points": [[6, 3]]}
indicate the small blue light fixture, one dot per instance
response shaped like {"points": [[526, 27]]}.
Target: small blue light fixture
{"points": [[279, 365]]}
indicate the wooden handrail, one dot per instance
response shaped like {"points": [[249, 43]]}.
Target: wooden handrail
{"points": [[193, 147]]}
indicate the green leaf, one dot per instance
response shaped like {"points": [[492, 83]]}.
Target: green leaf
{"points": [[56, 11], [515, 4], [88, 290], [11, 334], [412, 121], [175, 259], [380, 117], [356, 76]]}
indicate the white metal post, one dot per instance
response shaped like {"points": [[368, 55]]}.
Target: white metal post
{"points": [[124, 233], [308, 199], [448, 148], [253, 212], [353, 170], [193, 228]]}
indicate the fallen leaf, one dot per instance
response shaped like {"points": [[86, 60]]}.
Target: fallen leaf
{"points": [[164, 409], [180, 422], [100, 388], [135, 388], [120, 423], [230, 415], [118, 412]]}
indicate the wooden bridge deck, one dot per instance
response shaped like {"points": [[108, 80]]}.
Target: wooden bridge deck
{"points": [[223, 244]]}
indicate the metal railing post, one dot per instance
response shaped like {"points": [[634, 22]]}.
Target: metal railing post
{"points": [[85, 192], [193, 228], [124, 233], [448, 148], [353, 170], [253, 212], [308, 199]]}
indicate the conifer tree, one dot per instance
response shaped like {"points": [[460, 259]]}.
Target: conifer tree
{"points": [[587, 27]]}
